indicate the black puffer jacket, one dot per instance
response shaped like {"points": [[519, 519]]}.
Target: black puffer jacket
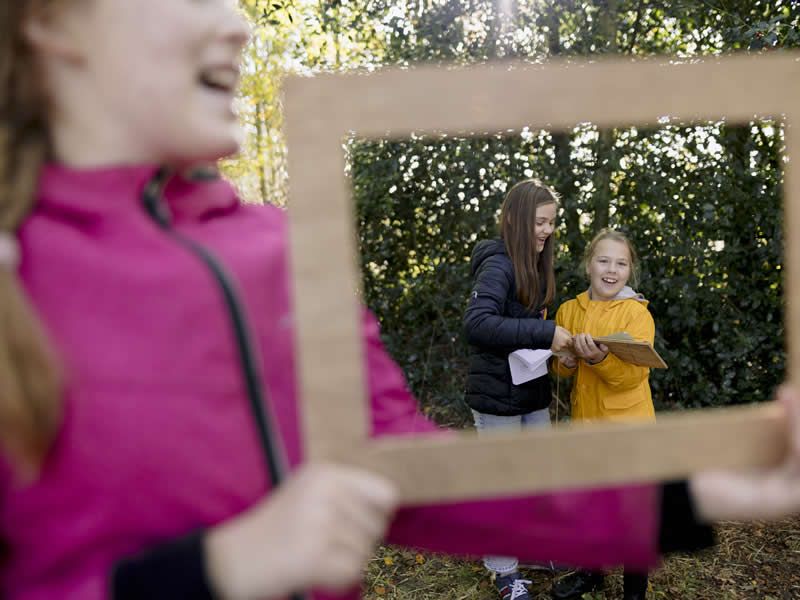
{"points": [[496, 324]]}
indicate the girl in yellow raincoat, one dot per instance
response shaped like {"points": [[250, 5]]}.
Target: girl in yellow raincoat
{"points": [[605, 386]]}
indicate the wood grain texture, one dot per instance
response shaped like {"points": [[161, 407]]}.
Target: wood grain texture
{"points": [[465, 467], [322, 111], [635, 352]]}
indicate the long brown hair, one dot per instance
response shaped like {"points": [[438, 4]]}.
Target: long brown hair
{"points": [[533, 270], [29, 382]]}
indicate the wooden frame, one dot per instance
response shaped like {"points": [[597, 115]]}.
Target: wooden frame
{"points": [[324, 110]]}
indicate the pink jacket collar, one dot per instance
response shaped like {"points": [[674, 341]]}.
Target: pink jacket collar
{"points": [[109, 192]]}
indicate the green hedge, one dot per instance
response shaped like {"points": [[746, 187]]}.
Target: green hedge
{"points": [[702, 205]]}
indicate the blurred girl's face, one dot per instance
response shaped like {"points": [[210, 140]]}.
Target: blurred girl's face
{"points": [[609, 269], [545, 224], [159, 76]]}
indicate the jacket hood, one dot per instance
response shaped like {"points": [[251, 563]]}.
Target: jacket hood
{"points": [[626, 293], [483, 250]]}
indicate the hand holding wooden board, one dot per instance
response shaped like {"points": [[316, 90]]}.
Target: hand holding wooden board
{"points": [[636, 352]]}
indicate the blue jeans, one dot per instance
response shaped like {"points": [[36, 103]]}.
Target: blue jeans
{"points": [[484, 423], [537, 418]]}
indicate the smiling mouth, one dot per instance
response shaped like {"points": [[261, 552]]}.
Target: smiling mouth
{"points": [[220, 79], [608, 280]]}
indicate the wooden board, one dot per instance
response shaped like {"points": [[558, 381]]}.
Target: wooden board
{"points": [[636, 352], [323, 111]]}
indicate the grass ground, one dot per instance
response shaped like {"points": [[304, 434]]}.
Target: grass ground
{"points": [[754, 561]]}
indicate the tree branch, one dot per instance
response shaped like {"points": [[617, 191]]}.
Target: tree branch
{"points": [[636, 24]]}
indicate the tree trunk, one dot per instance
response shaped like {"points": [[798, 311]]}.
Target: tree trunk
{"points": [[605, 156], [561, 144], [260, 136], [505, 12]]}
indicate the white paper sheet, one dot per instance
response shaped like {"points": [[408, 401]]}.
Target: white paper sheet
{"points": [[528, 364]]}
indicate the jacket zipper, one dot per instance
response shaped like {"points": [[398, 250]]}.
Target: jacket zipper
{"points": [[152, 199]]}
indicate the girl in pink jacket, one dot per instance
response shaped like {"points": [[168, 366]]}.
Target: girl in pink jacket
{"points": [[147, 402]]}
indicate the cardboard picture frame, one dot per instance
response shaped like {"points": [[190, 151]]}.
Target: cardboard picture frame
{"points": [[321, 112]]}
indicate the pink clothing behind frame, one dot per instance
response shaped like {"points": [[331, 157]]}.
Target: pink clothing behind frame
{"points": [[157, 438]]}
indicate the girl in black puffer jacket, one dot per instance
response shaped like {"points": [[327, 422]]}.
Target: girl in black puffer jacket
{"points": [[513, 284]]}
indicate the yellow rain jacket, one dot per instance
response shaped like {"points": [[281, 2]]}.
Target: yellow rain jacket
{"points": [[612, 389]]}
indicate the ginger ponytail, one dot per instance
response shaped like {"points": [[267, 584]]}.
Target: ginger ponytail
{"points": [[29, 380]]}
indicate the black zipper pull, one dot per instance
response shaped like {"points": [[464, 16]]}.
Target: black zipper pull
{"points": [[152, 198]]}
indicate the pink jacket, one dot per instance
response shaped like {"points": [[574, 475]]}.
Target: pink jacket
{"points": [[157, 438]]}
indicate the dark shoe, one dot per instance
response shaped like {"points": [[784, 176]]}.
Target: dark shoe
{"points": [[575, 585], [512, 587], [634, 586]]}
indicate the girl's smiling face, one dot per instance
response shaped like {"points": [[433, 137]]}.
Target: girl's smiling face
{"points": [[544, 224], [609, 269], [143, 81]]}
